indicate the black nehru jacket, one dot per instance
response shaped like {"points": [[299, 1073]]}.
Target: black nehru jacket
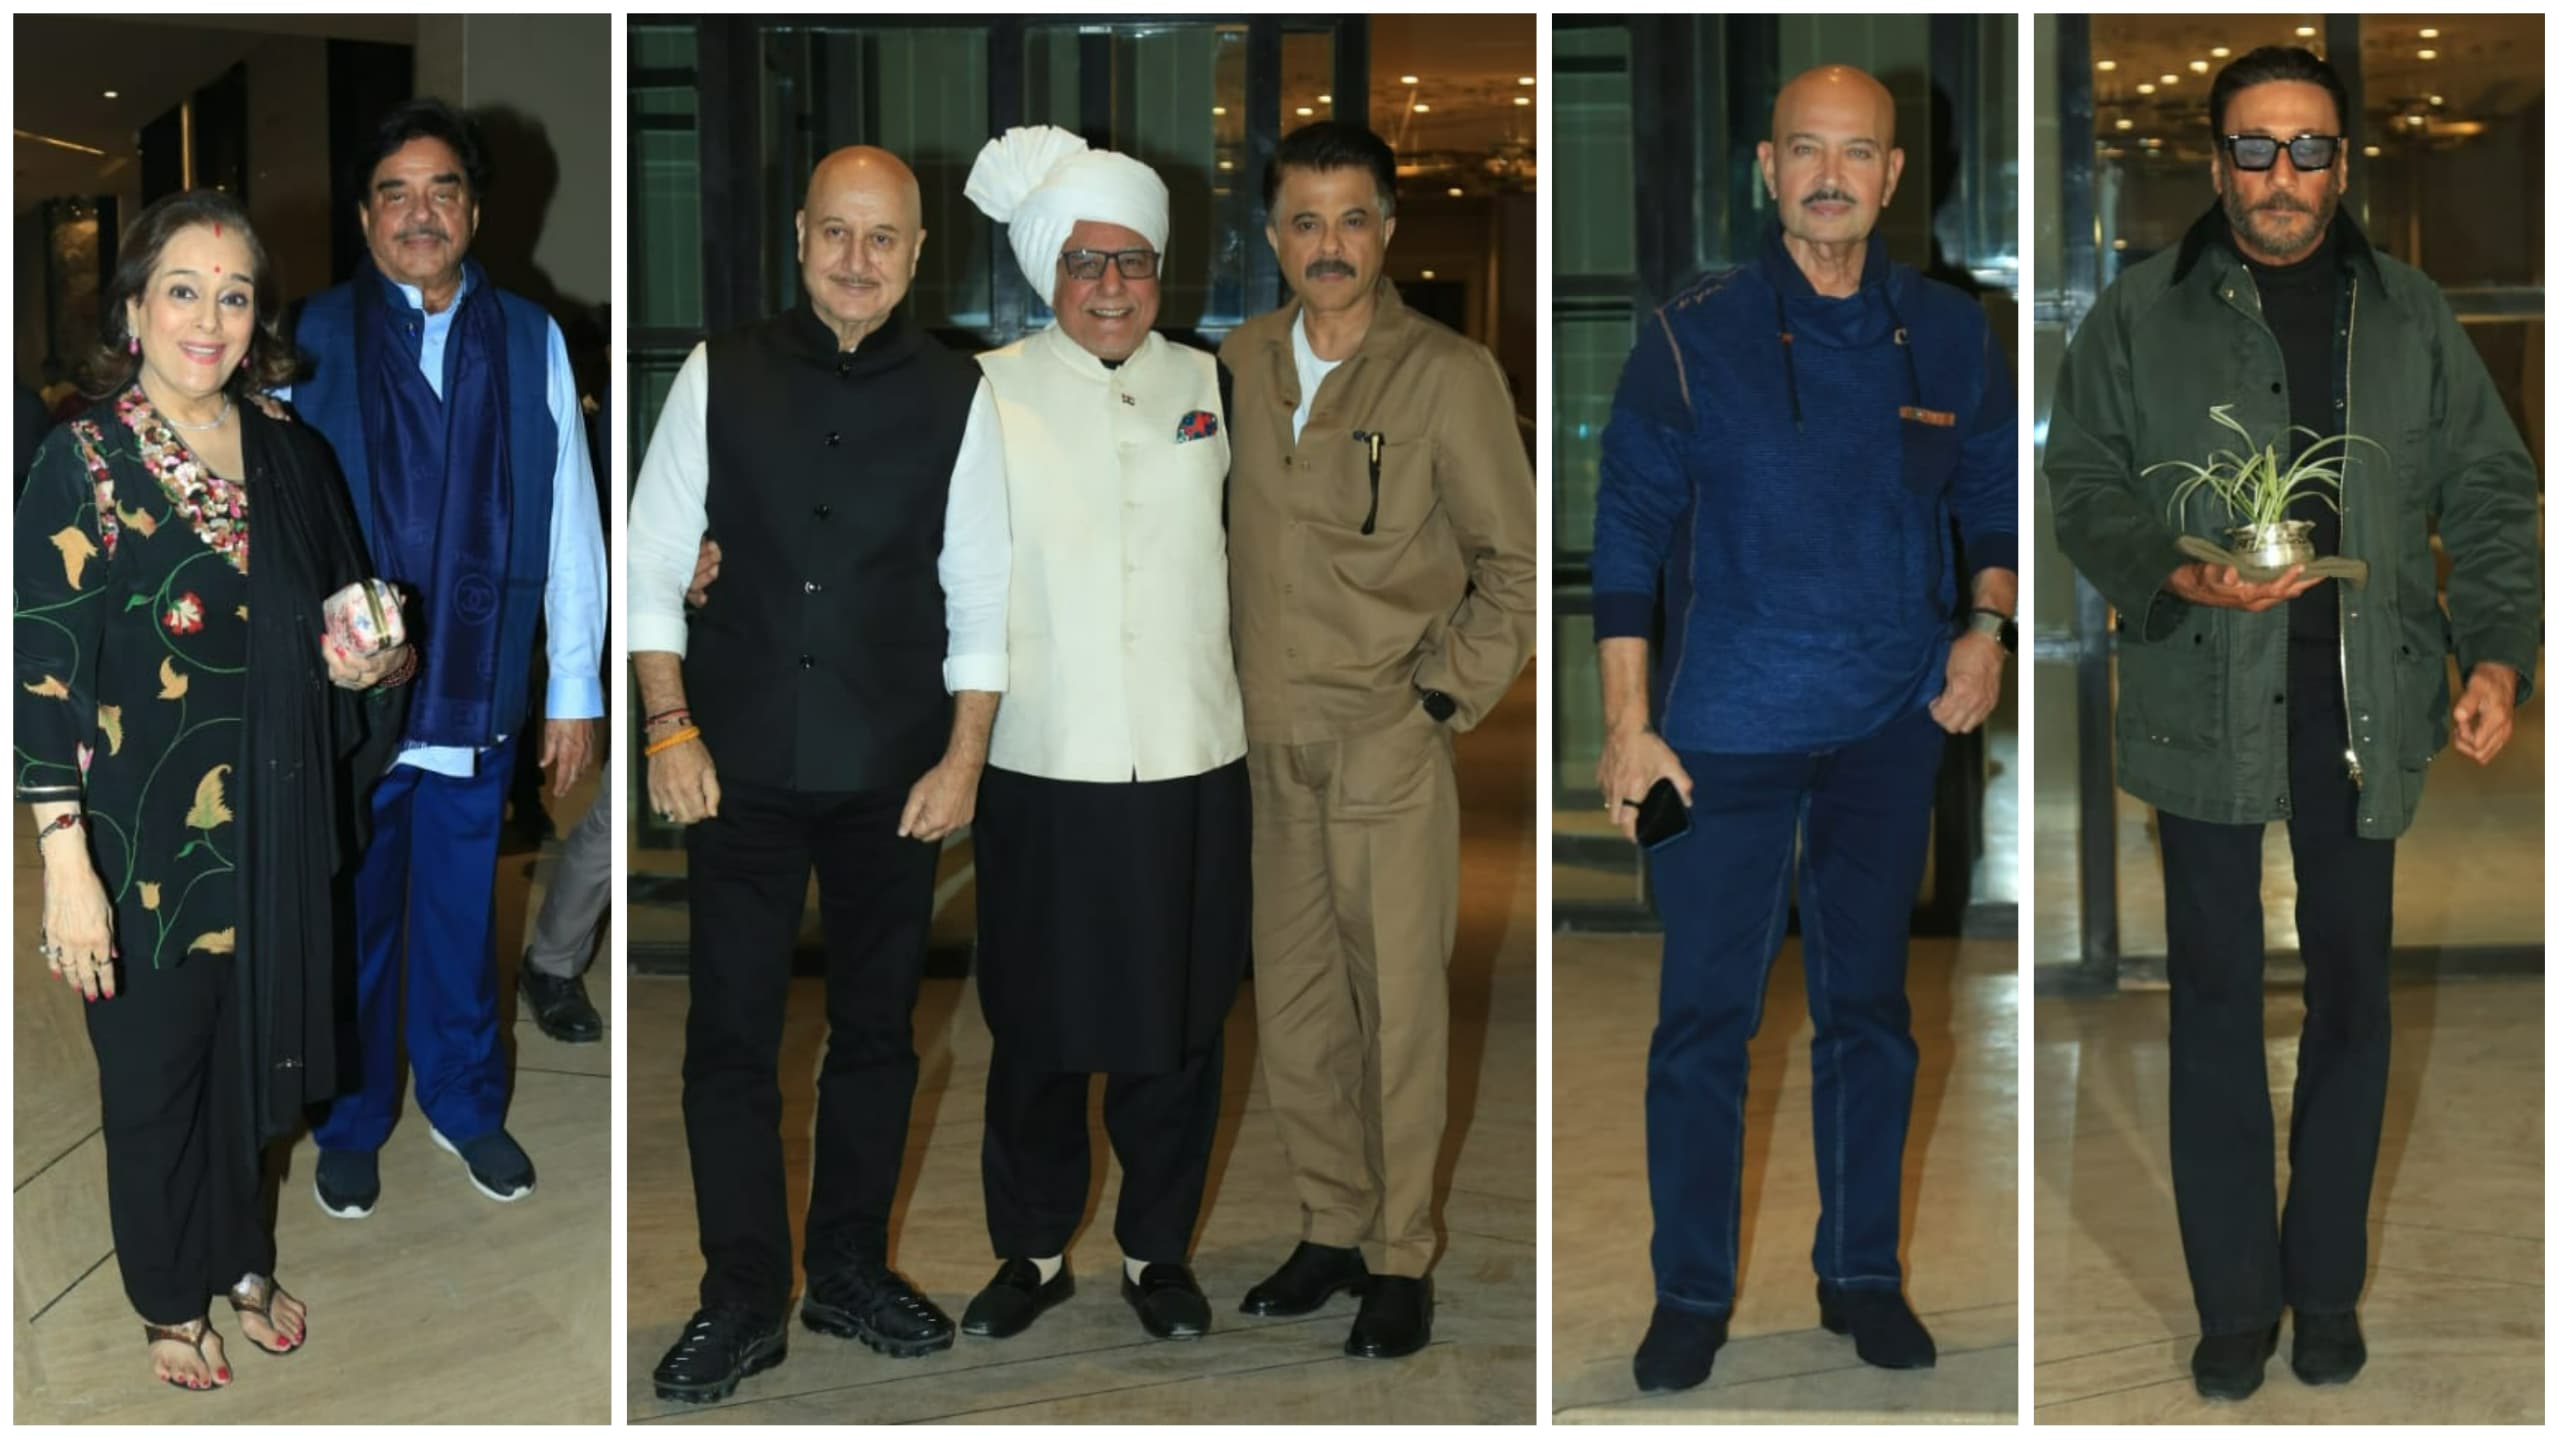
{"points": [[2300, 304], [820, 668]]}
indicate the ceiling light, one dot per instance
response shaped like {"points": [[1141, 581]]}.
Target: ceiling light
{"points": [[1519, 99], [2426, 55], [2124, 124], [1226, 165], [2145, 88], [2198, 66], [108, 94], [1428, 275], [1408, 80], [2106, 65], [2427, 34], [1306, 110], [2305, 31], [2373, 150], [1457, 190], [2435, 100], [1420, 109], [58, 143], [2168, 79], [1217, 110], [1324, 100], [2220, 52]]}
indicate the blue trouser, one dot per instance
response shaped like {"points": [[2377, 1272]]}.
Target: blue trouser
{"points": [[426, 893], [1862, 813]]}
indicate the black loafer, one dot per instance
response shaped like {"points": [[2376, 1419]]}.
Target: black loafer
{"points": [[2327, 1350], [1015, 1299], [1888, 1335], [1395, 1319], [559, 1006], [869, 1303], [1679, 1349], [2231, 1368], [721, 1346], [1307, 1280], [1168, 1302]]}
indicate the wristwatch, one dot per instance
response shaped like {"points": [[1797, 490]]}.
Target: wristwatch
{"points": [[1438, 705], [1987, 621]]}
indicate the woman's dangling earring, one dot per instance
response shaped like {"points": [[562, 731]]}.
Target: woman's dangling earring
{"points": [[133, 345]]}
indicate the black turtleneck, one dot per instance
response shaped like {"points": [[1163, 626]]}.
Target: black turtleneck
{"points": [[2300, 304]]}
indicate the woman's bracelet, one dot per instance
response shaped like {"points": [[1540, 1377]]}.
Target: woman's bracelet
{"points": [[681, 714], [672, 740], [66, 821]]}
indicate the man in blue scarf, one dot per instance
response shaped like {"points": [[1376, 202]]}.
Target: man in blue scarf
{"points": [[1788, 444], [455, 417]]}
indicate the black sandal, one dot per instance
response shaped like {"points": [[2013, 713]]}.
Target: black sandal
{"points": [[256, 1296], [154, 1333]]}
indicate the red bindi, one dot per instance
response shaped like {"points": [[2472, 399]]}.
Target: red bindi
{"points": [[217, 230]]}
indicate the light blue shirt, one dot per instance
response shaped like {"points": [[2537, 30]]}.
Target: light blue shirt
{"points": [[573, 595]]}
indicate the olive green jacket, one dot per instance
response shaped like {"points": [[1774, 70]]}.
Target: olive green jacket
{"points": [[2199, 728]]}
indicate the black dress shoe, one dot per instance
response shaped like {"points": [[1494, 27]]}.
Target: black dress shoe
{"points": [[1888, 1335], [1015, 1299], [1395, 1318], [721, 1346], [2327, 1350], [2231, 1368], [560, 1006], [1307, 1280], [1679, 1349], [1168, 1302], [869, 1303]]}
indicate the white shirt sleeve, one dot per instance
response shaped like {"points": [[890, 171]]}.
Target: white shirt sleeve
{"points": [[976, 566], [668, 515], [573, 599]]}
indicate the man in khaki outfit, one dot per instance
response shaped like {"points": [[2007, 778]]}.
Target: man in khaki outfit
{"points": [[1378, 474]]}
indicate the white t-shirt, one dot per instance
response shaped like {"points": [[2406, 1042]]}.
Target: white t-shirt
{"points": [[1311, 373]]}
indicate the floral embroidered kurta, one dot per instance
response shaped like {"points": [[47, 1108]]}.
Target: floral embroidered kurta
{"points": [[132, 639]]}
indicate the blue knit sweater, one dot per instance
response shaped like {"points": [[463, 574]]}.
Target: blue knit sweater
{"points": [[1787, 501]]}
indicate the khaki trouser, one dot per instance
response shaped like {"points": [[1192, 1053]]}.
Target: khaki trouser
{"points": [[1355, 907]]}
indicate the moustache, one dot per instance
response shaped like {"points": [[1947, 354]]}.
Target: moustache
{"points": [[855, 281], [424, 232], [2281, 201], [1828, 194], [1320, 269]]}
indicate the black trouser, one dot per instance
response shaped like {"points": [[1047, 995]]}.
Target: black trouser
{"points": [[749, 876], [183, 1187], [1036, 1158], [2221, 1126]]}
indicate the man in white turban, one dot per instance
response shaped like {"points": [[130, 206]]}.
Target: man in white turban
{"points": [[1112, 828]]}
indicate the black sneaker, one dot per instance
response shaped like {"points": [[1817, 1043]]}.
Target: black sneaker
{"points": [[869, 1303], [2232, 1367], [499, 1167], [721, 1346], [559, 1005], [2328, 1350], [347, 1183]]}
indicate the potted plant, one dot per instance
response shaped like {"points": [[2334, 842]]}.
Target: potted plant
{"points": [[2256, 491]]}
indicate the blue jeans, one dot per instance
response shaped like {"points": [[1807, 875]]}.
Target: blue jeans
{"points": [[1861, 816]]}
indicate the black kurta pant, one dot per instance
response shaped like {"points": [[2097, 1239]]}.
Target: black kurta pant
{"points": [[749, 878], [183, 1178], [1114, 920]]}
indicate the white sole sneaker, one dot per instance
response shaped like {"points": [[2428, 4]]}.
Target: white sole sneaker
{"points": [[456, 1152], [351, 1213]]}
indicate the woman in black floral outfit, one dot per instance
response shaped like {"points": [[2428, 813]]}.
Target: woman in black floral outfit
{"points": [[195, 777]]}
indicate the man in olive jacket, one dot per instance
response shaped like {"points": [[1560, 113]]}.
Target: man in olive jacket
{"points": [[2317, 703]]}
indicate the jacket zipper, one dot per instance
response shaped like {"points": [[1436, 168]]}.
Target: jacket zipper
{"points": [[2346, 700]]}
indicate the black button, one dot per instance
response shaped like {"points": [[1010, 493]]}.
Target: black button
{"points": [[822, 511], [807, 661], [2279, 697], [2277, 388], [844, 365], [835, 437]]}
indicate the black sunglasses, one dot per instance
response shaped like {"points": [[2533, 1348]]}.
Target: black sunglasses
{"points": [[1087, 264], [2258, 152]]}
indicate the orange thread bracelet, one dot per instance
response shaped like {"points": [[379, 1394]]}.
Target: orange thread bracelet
{"points": [[672, 741]]}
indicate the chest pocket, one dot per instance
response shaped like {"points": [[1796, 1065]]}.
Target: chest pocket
{"points": [[1932, 437]]}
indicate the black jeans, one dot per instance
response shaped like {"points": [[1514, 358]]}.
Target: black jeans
{"points": [[2244, 1270], [1036, 1157], [749, 872]]}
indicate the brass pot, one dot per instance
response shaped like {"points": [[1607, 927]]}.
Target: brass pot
{"points": [[2276, 547]]}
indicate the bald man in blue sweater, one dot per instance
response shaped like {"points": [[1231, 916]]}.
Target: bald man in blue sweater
{"points": [[1789, 442]]}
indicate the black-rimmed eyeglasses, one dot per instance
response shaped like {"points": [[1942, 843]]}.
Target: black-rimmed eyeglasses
{"points": [[1087, 264], [2258, 152]]}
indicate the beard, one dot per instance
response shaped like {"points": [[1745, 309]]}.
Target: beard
{"points": [[2265, 240]]}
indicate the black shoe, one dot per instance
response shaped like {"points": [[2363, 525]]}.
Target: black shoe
{"points": [[1881, 1322], [347, 1183], [1679, 1349], [721, 1346], [1395, 1318], [2327, 1350], [870, 1303], [499, 1167], [2231, 1368], [1307, 1280], [1015, 1299], [560, 1006], [1168, 1301]]}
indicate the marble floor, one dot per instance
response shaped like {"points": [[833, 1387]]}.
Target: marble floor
{"points": [[1960, 1201], [441, 1307], [2452, 1313], [1087, 1361]]}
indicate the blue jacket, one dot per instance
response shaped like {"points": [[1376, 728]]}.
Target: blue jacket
{"points": [[327, 400], [1779, 471]]}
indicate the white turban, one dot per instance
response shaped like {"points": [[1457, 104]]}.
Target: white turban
{"points": [[1040, 180]]}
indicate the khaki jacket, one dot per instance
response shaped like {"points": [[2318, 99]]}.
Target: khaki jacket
{"points": [[1337, 633]]}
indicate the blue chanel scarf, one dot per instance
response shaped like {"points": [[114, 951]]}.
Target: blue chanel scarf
{"points": [[442, 493]]}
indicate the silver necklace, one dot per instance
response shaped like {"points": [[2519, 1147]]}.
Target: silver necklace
{"points": [[219, 417]]}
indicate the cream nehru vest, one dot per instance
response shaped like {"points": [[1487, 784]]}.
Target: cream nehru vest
{"points": [[1116, 628]]}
